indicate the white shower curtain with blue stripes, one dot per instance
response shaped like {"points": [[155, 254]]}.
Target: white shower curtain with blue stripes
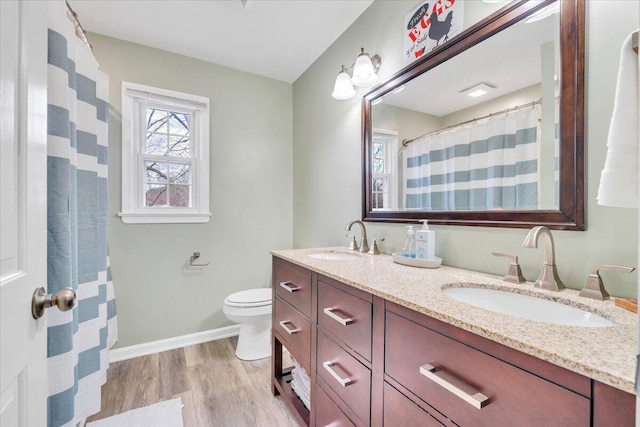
{"points": [[78, 340]]}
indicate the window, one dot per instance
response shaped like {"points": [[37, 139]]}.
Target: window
{"points": [[384, 180], [165, 156]]}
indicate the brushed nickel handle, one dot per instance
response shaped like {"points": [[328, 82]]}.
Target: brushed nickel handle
{"points": [[284, 326], [477, 400], [64, 300], [289, 287], [342, 320], [344, 382]]}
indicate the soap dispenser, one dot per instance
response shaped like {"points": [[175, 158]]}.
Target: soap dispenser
{"points": [[425, 242], [409, 249]]}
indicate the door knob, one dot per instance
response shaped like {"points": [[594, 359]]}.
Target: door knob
{"points": [[64, 300]]}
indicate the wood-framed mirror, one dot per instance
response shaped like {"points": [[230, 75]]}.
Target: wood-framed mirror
{"points": [[513, 158]]}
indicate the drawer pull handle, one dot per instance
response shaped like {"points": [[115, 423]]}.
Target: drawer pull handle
{"points": [[288, 286], [286, 328], [477, 400], [342, 320], [344, 382]]}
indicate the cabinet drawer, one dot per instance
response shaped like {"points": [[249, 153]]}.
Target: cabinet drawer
{"points": [[400, 411], [328, 413], [347, 317], [293, 285], [515, 397], [294, 328], [347, 377]]}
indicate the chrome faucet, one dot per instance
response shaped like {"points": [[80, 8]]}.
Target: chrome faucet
{"points": [[549, 275], [364, 245]]}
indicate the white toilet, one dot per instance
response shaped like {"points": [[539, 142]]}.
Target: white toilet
{"points": [[252, 310]]}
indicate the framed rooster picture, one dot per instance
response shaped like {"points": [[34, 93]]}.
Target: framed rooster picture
{"points": [[430, 25]]}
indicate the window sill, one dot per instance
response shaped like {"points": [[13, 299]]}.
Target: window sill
{"points": [[164, 218]]}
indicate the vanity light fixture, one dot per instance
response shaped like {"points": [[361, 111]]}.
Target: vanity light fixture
{"points": [[478, 90], [364, 73], [398, 89], [376, 101]]}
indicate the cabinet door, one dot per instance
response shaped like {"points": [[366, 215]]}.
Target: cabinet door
{"points": [[295, 331], [347, 377], [328, 413], [400, 411], [347, 317], [293, 284], [448, 375], [612, 407]]}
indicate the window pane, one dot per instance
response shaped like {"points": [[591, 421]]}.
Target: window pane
{"points": [[378, 150], [179, 173], [378, 184], [379, 200], [156, 172], [156, 120], [378, 166], [180, 196], [178, 123], [156, 195], [156, 144], [179, 146]]}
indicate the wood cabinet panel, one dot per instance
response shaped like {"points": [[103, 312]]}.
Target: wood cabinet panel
{"points": [[295, 331], [400, 411], [293, 284], [347, 317], [612, 407], [357, 393], [516, 397], [328, 413]]}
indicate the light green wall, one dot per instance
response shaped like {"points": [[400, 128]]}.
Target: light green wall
{"points": [[251, 196], [327, 157]]}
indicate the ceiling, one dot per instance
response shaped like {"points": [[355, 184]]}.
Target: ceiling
{"points": [[520, 43], [272, 38]]}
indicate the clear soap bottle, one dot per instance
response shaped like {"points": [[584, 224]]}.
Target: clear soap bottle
{"points": [[409, 249]]}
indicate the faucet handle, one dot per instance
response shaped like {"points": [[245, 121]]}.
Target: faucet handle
{"points": [[353, 246], [594, 288], [514, 274], [373, 250]]}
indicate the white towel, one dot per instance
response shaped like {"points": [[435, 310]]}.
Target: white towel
{"points": [[619, 179]]}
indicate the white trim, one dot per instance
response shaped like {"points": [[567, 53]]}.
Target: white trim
{"points": [[132, 209], [164, 218], [124, 353]]}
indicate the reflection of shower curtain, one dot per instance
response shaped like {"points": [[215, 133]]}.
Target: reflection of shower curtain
{"points": [[488, 164], [78, 340]]}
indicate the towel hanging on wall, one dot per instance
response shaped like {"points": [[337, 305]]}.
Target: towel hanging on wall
{"points": [[619, 179]]}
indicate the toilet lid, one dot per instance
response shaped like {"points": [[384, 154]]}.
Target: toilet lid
{"points": [[250, 297]]}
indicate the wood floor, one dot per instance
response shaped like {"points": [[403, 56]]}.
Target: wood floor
{"points": [[216, 388]]}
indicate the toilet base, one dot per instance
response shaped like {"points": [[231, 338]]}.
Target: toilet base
{"points": [[254, 341]]}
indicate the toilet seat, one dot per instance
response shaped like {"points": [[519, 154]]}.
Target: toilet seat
{"points": [[250, 298]]}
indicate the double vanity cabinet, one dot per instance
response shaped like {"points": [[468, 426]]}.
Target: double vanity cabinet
{"points": [[375, 358]]}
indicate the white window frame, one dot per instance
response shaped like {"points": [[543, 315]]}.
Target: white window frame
{"points": [[135, 99], [390, 140]]}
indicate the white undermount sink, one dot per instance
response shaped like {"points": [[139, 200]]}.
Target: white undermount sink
{"points": [[334, 256], [526, 307]]}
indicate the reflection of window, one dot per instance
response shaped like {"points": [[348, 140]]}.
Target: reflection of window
{"points": [[384, 180], [165, 156]]}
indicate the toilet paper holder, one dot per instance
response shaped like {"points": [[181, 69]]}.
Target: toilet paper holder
{"points": [[194, 257]]}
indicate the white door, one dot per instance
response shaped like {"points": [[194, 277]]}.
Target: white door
{"points": [[23, 211]]}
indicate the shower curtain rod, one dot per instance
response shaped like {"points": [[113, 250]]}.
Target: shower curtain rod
{"points": [[406, 142], [73, 17]]}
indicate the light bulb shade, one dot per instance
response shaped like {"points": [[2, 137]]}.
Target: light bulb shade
{"points": [[343, 89], [363, 72]]}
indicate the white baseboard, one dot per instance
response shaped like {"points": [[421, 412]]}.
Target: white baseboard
{"points": [[152, 347]]}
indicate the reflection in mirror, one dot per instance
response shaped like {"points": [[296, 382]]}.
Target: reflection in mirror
{"points": [[475, 140], [478, 132]]}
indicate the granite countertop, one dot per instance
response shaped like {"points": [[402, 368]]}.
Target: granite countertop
{"points": [[605, 354]]}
